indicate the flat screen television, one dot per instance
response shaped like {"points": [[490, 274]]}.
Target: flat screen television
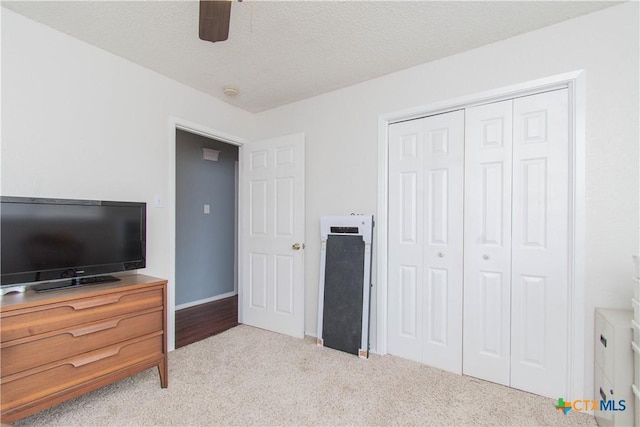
{"points": [[69, 242]]}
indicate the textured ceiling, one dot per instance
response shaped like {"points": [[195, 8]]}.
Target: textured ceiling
{"points": [[283, 51]]}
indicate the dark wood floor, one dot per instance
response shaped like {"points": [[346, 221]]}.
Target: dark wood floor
{"points": [[204, 320]]}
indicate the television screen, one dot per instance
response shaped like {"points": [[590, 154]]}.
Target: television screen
{"points": [[50, 239]]}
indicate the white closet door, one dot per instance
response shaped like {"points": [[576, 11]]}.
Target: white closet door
{"points": [[443, 237], [406, 201], [425, 238], [539, 245], [487, 238]]}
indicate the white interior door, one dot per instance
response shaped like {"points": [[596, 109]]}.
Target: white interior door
{"points": [[487, 240], [425, 240], [272, 234], [539, 290]]}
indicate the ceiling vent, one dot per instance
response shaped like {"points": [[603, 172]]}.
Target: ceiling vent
{"points": [[209, 154]]}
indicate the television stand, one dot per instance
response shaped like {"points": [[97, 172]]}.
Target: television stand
{"points": [[56, 346], [74, 283]]}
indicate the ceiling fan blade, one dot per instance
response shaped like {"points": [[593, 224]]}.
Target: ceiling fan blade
{"points": [[214, 20]]}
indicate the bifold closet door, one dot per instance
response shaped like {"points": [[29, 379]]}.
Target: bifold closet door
{"points": [[425, 240], [539, 272], [487, 240], [516, 242]]}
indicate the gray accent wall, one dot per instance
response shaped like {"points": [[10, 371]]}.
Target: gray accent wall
{"points": [[205, 243]]}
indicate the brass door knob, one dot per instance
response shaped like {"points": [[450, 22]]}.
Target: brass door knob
{"points": [[296, 246]]}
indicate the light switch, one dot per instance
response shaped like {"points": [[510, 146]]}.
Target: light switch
{"points": [[207, 209]]}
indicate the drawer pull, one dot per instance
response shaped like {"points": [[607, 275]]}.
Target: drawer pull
{"points": [[97, 302], [603, 395], [603, 340], [86, 330], [81, 361]]}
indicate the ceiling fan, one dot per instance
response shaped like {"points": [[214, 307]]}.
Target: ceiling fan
{"points": [[214, 19]]}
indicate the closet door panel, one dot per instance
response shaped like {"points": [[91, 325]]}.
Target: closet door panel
{"points": [[425, 240], [406, 211], [442, 300], [539, 243], [487, 238]]}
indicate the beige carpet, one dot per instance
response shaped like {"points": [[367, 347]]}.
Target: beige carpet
{"points": [[247, 376]]}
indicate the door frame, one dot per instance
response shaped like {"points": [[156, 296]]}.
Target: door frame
{"points": [[575, 83], [175, 124]]}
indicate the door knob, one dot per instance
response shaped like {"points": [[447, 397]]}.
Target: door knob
{"points": [[485, 256], [296, 246], [441, 254]]}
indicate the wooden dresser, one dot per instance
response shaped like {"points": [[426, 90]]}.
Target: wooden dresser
{"points": [[58, 345]]}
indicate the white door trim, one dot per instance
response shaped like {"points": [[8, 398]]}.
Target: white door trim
{"points": [[575, 82], [176, 123]]}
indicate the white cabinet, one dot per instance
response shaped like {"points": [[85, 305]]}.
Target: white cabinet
{"points": [[613, 366]]}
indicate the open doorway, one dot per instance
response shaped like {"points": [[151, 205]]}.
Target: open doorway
{"points": [[206, 188]]}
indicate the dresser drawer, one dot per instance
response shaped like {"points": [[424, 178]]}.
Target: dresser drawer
{"points": [[35, 351], [603, 344], [37, 383], [603, 391], [47, 318]]}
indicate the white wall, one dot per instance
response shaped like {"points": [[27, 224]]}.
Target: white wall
{"points": [[79, 122], [342, 134]]}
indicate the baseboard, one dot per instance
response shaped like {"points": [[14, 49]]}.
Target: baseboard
{"points": [[204, 301]]}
